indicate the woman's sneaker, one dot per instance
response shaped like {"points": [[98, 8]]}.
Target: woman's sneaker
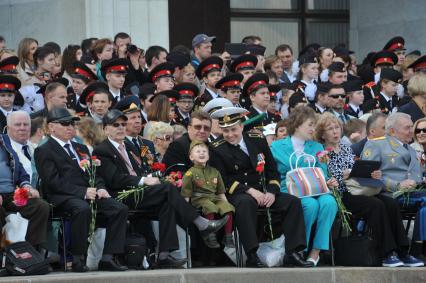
{"points": [[411, 261], [392, 261]]}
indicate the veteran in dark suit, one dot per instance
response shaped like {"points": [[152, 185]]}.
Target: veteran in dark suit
{"points": [[67, 187]]}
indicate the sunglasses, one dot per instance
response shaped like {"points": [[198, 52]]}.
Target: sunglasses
{"points": [[335, 96], [66, 123], [199, 127], [116, 125], [420, 130]]}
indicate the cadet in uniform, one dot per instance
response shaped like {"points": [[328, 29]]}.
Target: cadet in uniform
{"points": [[203, 186], [162, 76], [115, 71], [209, 71], [81, 77], [230, 88], [386, 100], [100, 89], [9, 86], [236, 156], [257, 88], [353, 89], [396, 45], [185, 102], [244, 65]]}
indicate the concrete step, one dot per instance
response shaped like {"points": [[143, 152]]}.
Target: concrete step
{"points": [[238, 275]]}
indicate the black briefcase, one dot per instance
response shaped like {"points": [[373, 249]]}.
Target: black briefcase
{"points": [[356, 250]]}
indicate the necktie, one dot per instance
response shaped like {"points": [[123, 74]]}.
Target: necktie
{"points": [[342, 117], [135, 142], [26, 151], [126, 159], [405, 146], [70, 153], [186, 120]]}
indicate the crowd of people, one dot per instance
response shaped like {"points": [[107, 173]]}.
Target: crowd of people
{"points": [[211, 138]]}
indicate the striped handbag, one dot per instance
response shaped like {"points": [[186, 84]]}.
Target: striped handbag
{"points": [[307, 181]]}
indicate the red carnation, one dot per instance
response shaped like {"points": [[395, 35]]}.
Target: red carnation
{"points": [[21, 196], [157, 166]]}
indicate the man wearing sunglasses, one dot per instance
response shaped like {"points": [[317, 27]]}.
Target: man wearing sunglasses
{"points": [[199, 128], [337, 97], [66, 185], [122, 168]]}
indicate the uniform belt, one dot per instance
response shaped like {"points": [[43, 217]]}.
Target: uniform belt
{"points": [[198, 194]]}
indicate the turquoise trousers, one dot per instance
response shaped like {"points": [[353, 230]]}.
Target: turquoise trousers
{"points": [[322, 210]]}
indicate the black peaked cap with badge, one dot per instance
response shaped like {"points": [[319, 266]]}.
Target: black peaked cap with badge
{"points": [[90, 90], [114, 66], [8, 65], [162, 70], [395, 43], [187, 90], [255, 82], [213, 63], [81, 71], [231, 81], [244, 62]]}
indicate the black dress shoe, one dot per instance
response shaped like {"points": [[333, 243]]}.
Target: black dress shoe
{"points": [[170, 262], [111, 265], [214, 226], [79, 266], [211, 241], [254, 261], [296, 259]]}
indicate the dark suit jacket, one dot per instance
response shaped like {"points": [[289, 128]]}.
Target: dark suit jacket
{"points": [[3, 122], [113, 168], [349, 111], [412, 109], [178, 152], [239, 170], [61, 177], [358, 147]]}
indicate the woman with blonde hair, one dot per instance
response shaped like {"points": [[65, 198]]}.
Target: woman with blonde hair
{"points": [[90, 132], [161, 134], [416, 107], [26, 49]]}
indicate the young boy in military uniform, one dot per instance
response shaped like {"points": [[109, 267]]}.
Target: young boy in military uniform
{"points": [[204, 187]]}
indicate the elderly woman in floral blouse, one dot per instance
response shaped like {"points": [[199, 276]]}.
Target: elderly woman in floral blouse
{"points": [[380, 212]]}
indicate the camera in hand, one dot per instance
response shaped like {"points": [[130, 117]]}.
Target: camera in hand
{"points": [[132, 49]]}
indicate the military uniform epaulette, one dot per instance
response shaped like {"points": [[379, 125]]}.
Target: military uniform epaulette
{"points": [[255, 135], [378, 139], [218, 142]]}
